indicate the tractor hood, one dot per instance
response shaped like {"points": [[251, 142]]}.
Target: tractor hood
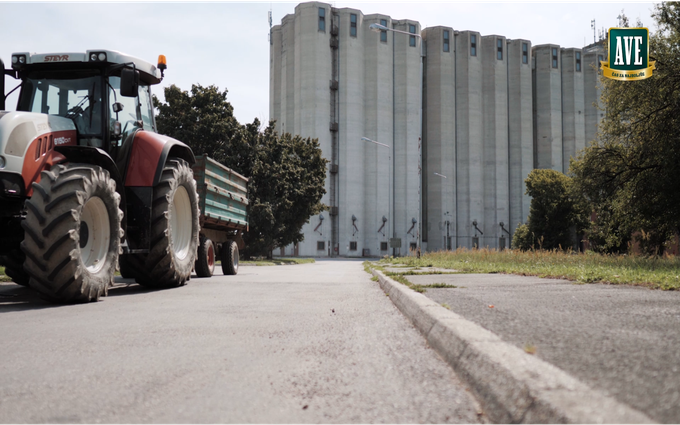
{"points": [[27, 136]]}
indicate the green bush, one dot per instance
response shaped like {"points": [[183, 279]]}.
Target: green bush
{"points": [[522, 239]]}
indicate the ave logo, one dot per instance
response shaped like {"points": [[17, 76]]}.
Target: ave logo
{"points": [[628, 55]]}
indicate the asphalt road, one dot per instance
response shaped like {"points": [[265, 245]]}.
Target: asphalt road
{"points": [[621, 340], [305, 343]]}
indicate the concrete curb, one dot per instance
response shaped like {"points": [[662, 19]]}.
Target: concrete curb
{"points": [[512, 386]]}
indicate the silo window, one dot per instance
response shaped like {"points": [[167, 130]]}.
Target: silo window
{"points": [[499, 49], [525, 53], [554, 57], [473, 45], [578, 61], [353, 25], [353, 246], [383, 34], [322, 19], [446, 40], [320, 245], [412, 38]]}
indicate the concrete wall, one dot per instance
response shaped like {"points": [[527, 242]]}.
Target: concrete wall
{"points": [[592, 91], [470, 174], [378, 126], [495, 139], [547, 108], [573, 106], [520, 131], [439, 152]]}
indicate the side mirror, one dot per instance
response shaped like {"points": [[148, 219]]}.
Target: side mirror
{"points": [[129, 82]]}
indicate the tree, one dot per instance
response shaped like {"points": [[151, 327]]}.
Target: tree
{"points": [[556, 214], [287, 173], [630, 172], [203, 119], [288, 176]]}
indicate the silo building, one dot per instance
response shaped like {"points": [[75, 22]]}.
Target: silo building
{"points": [[430, 132]]}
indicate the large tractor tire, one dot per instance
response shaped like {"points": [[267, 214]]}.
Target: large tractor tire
{"points": [[14, 267], [72, 233], [174, 230], [205, 258], [229, 254]]}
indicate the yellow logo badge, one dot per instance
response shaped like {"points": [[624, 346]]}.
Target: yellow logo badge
{"points": [[628, 55]]}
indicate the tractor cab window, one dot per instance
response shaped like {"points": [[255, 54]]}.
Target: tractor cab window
{"points": [[146, 107], [133, 107], [128, 116], [68, 96]]}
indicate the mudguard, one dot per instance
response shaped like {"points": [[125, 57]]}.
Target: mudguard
{"points": [[149, 153]]}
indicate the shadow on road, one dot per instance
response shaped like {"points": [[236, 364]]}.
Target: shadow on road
{"points": [[15, 297]]}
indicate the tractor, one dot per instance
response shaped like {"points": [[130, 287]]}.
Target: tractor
{"points": [[86, 182]]}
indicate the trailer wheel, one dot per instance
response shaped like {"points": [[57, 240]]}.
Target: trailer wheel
{"points": [[72, 233], [14, 267], [229, 256], [174, 229], [205, 258], [125, 268]]}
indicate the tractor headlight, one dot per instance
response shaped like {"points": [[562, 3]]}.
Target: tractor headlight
{"points": [[97, 57], [18, 60]]}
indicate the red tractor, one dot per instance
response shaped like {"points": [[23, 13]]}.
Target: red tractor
{"points": [[86, 181]]}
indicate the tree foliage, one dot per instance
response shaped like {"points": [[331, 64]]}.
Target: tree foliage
{"points": [[556, 215], [630, 172], [287, 173]]}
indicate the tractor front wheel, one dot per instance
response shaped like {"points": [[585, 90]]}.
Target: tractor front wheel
{"points": [[72, 233]]}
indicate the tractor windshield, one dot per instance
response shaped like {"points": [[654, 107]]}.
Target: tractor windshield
{"points": [[67, 95]]}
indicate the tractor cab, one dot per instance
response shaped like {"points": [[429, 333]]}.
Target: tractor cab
{"points": [[104, 93]]}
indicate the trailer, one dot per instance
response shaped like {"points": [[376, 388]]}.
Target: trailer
{"points": [[223, 198]]}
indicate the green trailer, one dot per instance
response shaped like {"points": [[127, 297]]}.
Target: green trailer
{"points": [[222, 200]]}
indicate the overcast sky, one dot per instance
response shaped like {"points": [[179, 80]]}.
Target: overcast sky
{"points": [[226, 43]]}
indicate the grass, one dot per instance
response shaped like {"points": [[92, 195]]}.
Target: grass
{"points": [[652, 272], [3, 276]]}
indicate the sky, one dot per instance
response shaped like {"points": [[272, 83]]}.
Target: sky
{"points": [[226, 43]]}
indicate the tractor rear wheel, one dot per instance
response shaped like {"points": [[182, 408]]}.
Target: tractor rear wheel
{"points": [[174, 230], [205, 258], [72, 233]]}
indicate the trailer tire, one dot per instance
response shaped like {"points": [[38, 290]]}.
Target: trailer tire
{"points": [[14, 267], [205, 258], [125, 268], [174, 230], [229, 256], [72, 233]]}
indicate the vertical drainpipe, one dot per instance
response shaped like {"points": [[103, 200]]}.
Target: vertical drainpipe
{"points": [[394, 141], [455, 117], [507, 113], [560, 66]]}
